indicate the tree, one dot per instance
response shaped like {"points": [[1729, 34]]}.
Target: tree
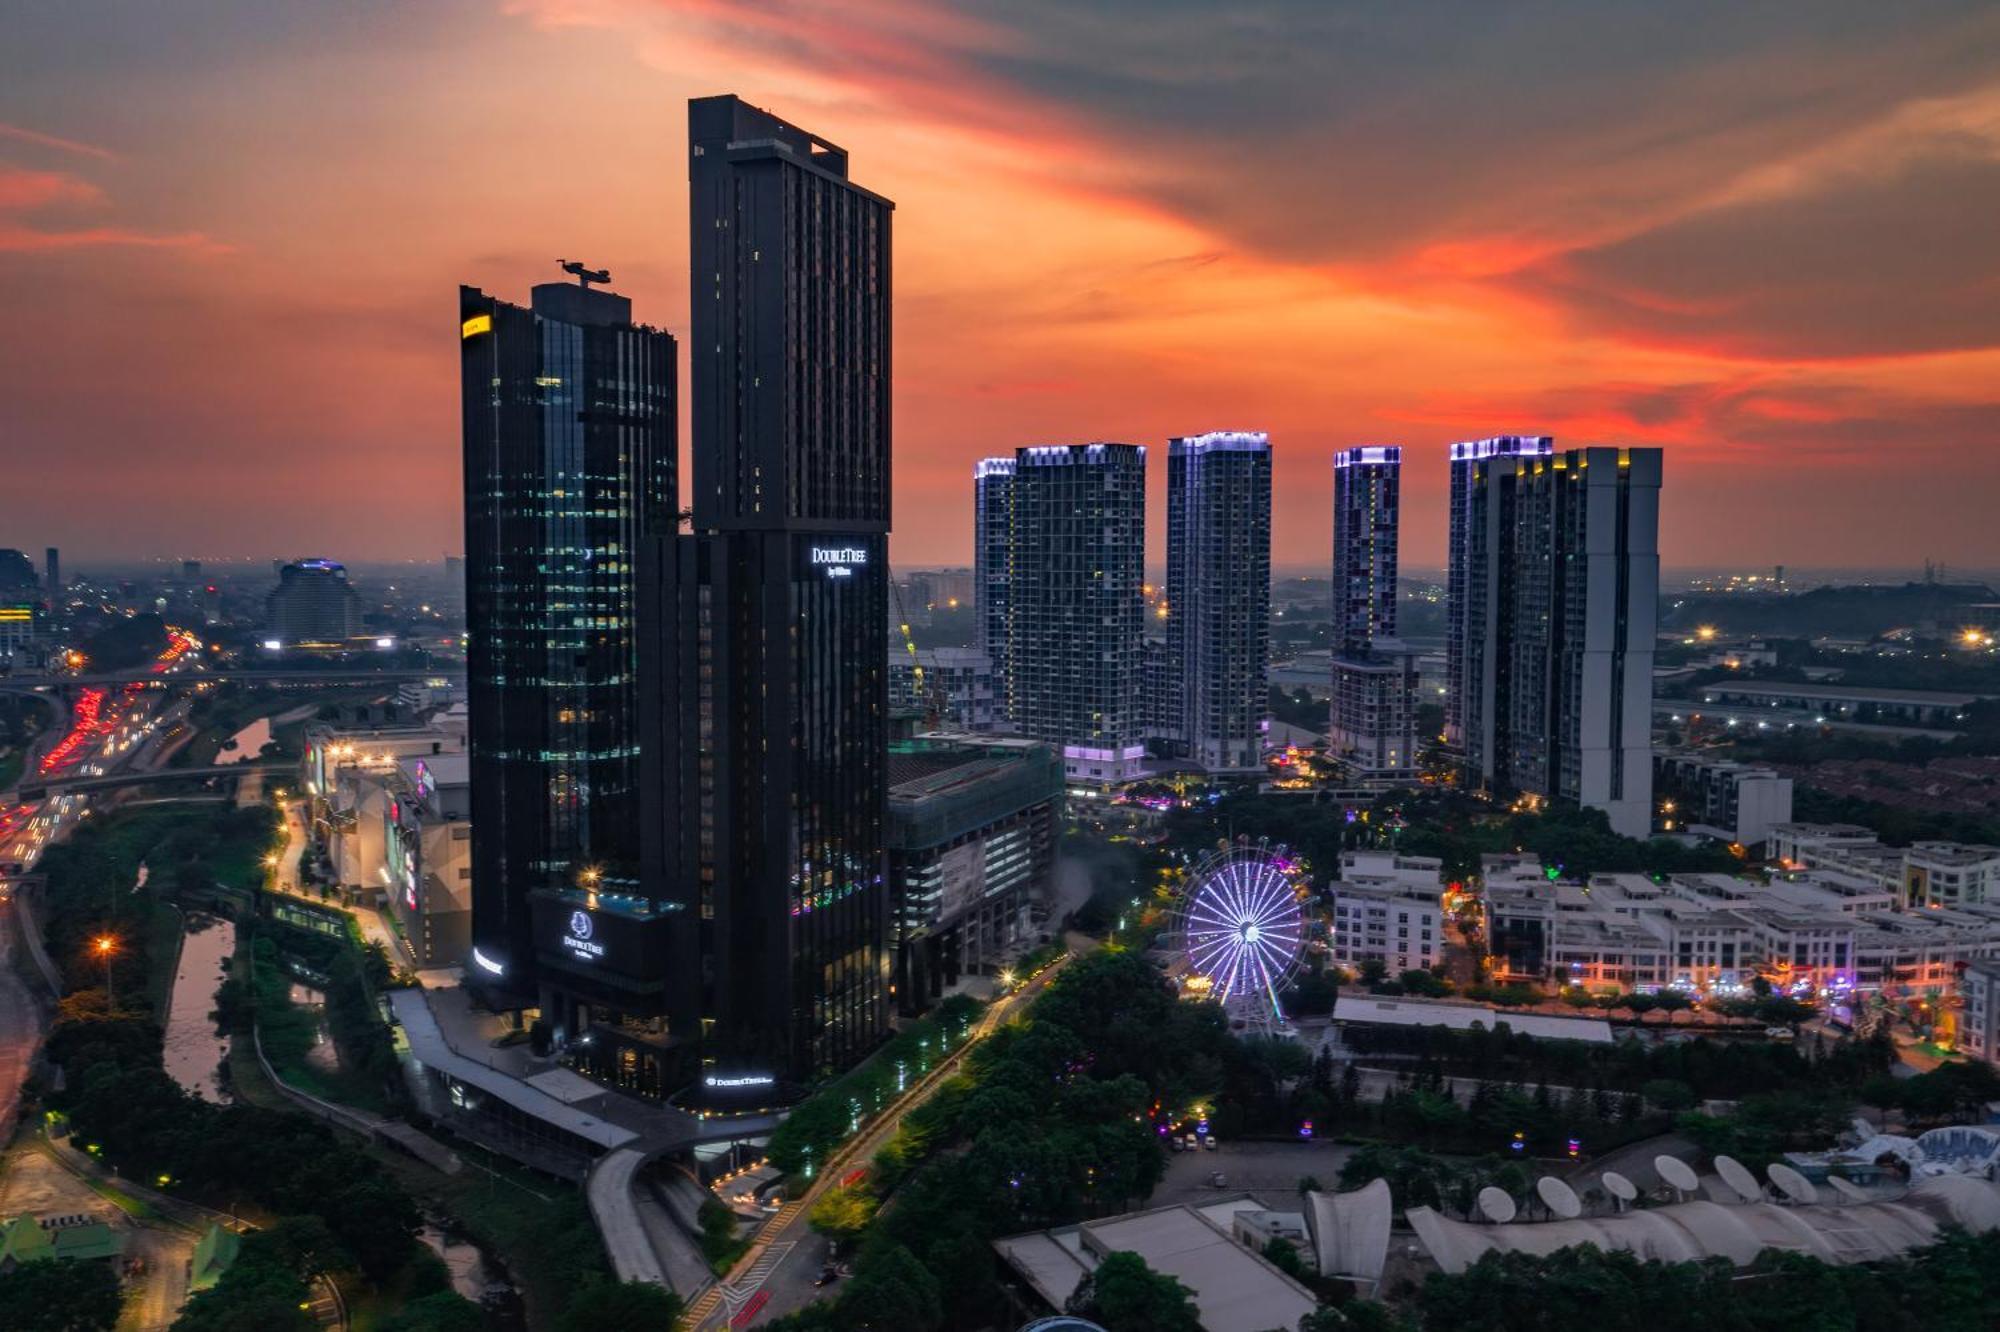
{"points": [[439, 1311], [842, 1214], [620, 1304], [1125, 1295], [59, 1296], [892, 1293]]}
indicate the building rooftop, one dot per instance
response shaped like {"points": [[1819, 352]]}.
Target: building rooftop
{"points": [[1851, 693], [1235, 1290], [1463, 1017]]}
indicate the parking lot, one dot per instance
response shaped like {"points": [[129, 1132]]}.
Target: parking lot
{"points": [[1270, 1170]]}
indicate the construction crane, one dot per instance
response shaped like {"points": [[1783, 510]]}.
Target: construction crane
{"points": [[932, 694]]}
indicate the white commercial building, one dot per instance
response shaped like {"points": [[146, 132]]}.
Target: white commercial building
{"points": [[1399, 923], [1979, 1019]]}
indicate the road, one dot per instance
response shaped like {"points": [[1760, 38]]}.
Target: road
{"points": [[40, 1182], [800, 1251], [20, 1020], [287, 880]]}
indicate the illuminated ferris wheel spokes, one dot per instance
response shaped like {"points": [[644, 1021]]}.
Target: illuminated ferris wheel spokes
{"points": [[1244, 928]]}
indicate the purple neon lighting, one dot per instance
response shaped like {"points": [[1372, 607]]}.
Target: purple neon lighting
{"points": [[1509, 446], [1370, 455], [1244, 931]]}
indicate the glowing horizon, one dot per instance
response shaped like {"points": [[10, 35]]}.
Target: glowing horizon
{"points": [[231, 240]]}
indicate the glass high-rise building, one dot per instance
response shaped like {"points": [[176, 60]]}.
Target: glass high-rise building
{"points": [[1219, 597], [569, 439], [1372, 712], [1076, 605], [771, 825], [1465, 458], [313, 604], [1561, 600]]}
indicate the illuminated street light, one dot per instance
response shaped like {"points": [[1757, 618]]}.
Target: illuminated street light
{"points": [[107, 945]]}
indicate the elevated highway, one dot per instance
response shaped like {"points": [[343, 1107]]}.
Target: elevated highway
{"points": [[32, 789]]}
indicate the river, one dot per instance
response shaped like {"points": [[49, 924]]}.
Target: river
{"points": [[194, 1052], [473, 1276]]}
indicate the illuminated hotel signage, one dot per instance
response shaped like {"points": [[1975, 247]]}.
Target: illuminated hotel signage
{"points": [[738, 1080], [473, 327], [838, 561], [578, 940]]}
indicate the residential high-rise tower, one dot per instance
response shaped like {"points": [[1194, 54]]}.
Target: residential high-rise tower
{"points": [[1219, 596], [992, 544], [1561, 598], [1076, 608], [1465, 458], [1372, 729]]}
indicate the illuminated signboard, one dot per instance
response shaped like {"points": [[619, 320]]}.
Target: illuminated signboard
{"points": [[473, 327], [578, 940], [837, 561], [426, 784], [738, 1080]]}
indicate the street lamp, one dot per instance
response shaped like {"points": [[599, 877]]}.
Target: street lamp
{"points": [[106, 945]]}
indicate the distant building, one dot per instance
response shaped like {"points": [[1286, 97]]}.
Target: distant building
{"points": [[1219, 596], [971, 836], [52, 570], [1560, 589], [1465, 458], [1950, 874], [1979, 1019], [1075, 606], [313, 605], [190, 571], [932, 592], [959, 689], [390, 810], [1372, 722], [1727, 799]]}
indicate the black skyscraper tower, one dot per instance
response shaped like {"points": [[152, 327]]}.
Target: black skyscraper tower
{"points": [[570, 436], [783, 586]]}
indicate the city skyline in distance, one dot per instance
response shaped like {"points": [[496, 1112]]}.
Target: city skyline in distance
{"points": [[1638, 252]]}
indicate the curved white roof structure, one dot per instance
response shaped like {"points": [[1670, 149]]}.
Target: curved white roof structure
{"points": [[1691, 1231], [1350, 1231]]}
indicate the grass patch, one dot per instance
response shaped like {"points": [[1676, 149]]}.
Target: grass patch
{"points": [[12, 760], [290, 1031], [163, 950]]}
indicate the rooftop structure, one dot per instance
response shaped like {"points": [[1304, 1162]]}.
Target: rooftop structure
{"points": [[971, 838], [1686, 1232], [1235, 1290]]}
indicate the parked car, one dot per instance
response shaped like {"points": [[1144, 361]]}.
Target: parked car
{"points": [[1212, 1142]]}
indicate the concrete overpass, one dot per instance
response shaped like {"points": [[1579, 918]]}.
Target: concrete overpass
{"points": [[327, 676], [40, 790]]}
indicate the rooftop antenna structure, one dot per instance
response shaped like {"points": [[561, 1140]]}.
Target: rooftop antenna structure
{"points": [[1677, 1174], [585, 276], [1559, 1198], [1621, 1189], [1739, 1179], [1496, 1204]]}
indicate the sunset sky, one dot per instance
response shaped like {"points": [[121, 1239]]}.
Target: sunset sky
{"points": [[1764, 236]]}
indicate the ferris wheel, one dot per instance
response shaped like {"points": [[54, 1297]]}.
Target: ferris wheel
{"points": [[1243, 925]]}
